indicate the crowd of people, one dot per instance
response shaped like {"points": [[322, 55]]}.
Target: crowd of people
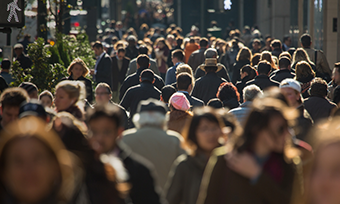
{"points": [[177, 120]]}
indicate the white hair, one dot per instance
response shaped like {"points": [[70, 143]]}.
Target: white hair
{"points": [[251, 92], [151, 118]]}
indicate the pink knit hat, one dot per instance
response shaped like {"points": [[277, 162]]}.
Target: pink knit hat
{"points": [[179, 101]]}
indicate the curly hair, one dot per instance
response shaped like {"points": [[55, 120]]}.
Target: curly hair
{"points": [[227, 91]]}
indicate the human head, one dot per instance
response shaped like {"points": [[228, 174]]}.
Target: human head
{"points": [[5, 64], [143, 61], [78, 68], [276, 44], [177, 56], [121, 53], [147, 76], [185, 68], [300, 55], [250, 92], [285, 54], [324, 180], [151, 113], [179, 41], [265, 55], [98, 48], [105, 127], [178, 101], [167, 92], [303, 69], [270, 134], [18, 49], [33, 108], [204, 43], [203, 131], [143, 50], [10, 101], [67, 94], [248, 71], [244, 54], [287, 40], [227, 91], [215, 103], [306, 40], [284, 63], [210, 53], [132, 40], [32, 89], [336, 73], [28, 150], [184, 82], [291, 89], [264, 68], [318, 87], [255, 59], [103, 93], [46, 98], [256, 44]]}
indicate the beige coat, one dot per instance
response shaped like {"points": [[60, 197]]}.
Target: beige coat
{"points": [[160, 147], [321, 64]]}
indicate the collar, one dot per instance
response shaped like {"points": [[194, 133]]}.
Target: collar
{"points": [[101, 55], [184, 92], [246, 104]]}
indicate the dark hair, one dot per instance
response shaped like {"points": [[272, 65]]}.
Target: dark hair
{"points": [[192, 40], [276, 44], [210, 68], [179, 41], [306, 40], [284, 62], [179, 54], [143, 50], [337, 65], [257, 41], [215, 103], [46, 93], [167, 92], [5, 64], [29, 87], [97, 45], [318, 87], [249, 70], [264, 67], [121, 49], [255, 59], [143, 61], [189, 132], [285, 38], [13, 97], [227, 91], [109, 111], [204, 42], [183, 81]]}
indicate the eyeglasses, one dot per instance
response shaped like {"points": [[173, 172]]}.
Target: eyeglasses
{"points": [[101, 93]]}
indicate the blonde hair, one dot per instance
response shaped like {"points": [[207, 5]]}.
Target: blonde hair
{"points": [[244, 54], [185, 68], [265, 55], [79, 61], [301, 55], [75, 90]]}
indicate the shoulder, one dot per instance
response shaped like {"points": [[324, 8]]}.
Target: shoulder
{"points": [[174, 135]]}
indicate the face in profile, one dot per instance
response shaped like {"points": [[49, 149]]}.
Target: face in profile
{"points": [[208, 134], [103, 134], [30, 171], [62, 100], [325, 179]]}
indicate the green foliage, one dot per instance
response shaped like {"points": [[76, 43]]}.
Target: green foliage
{"points": [[50, 62]]}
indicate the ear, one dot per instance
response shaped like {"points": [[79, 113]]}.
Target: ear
{"points": [[153, 80], [140, 79], [162, 98]]}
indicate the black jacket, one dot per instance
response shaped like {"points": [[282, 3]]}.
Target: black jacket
{"points": [[118, 76], [131, 52], [141, 177], [133, 80], [240, 86], [3, 84], [196, 59], [318, 107], [263, 82], [282, 74], [231, 103], [206, 87], [25, 61], [104, 71], [194, 102], [236, 70], [304, 123], [137, 93], [222, 73], [88, 86]]}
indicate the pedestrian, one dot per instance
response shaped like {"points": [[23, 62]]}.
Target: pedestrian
{"points": [[131, 50], [304, 75], [243, 58], [262, 80], [179, 113], [190, 48], [284, 70], [255, 167], [229, 95], [152, 140], [5, 71], [132, 68], [197, 57], [31, 89], [301, 55], [102, 70], [201, 137], [22, 58], [177, 59], [78, 71], [46, 98], [167, 92], [69, 96], [10, 101], [266, 55], [276, 46], [334, 83], [185, 85], [207, 86], [247, 73], [162, 51]]}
